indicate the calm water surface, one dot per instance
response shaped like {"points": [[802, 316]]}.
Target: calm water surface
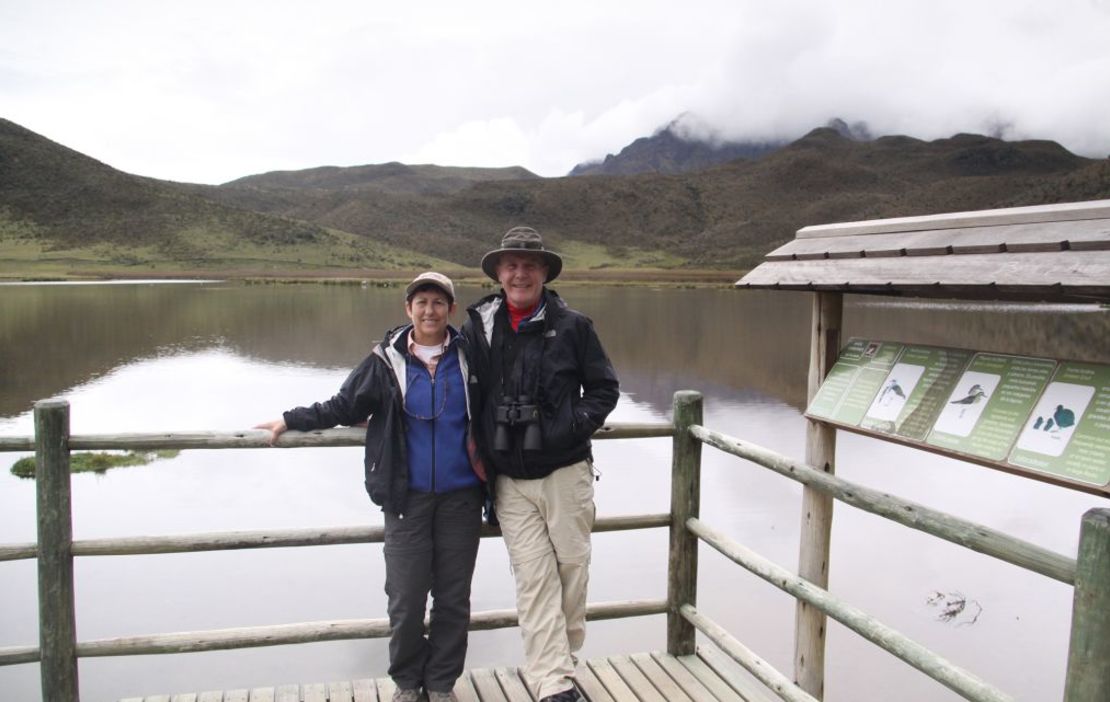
{"points": [[144, 357]]}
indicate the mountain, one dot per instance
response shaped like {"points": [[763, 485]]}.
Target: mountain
{"points": [[681, 147], [387, 177], [72, 198], [725, 216], [54, 198], [670, 151]]}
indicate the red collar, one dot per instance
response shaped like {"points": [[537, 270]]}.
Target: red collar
{"points": [[519, 314]]}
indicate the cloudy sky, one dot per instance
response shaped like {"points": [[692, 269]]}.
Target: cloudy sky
{"points": [[207, 91]]}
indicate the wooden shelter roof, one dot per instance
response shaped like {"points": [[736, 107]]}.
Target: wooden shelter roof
{"points": [[1058, 253]]}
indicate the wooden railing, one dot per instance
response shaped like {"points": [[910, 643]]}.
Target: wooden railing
{"points": [[1088, 672]]}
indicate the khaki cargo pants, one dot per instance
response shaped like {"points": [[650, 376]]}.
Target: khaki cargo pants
{"points": [[546, 524]]}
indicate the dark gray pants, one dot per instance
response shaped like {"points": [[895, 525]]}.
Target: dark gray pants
{"points": [[431, 549]]}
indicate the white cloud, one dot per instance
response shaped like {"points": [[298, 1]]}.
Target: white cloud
{"points": [[209, 91]]}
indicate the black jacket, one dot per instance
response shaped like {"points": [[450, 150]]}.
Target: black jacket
{"points": [[557, 361], [372, 393]]}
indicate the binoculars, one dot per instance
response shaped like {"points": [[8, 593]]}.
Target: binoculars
{"points": [[516, 412]]}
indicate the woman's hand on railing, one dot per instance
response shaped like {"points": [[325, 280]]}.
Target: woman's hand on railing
{"points": [[276, 429]]}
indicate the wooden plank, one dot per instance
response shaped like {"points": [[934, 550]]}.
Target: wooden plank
{"points": [[281, 538], [314, 692], [260, 438], [682, 677], [464, 689], [614, 684], [365, 690], [590, 686], [237, 696], [969, 534], [287, 693], [682, 559], [1093, 209], [251, 438], [952, 676], [386, 688], [685, 669], [660, 678], [57, 608], [262, 694], [1088, 676], [340, 691], [485, 682], [1069, 269], [815, 539], [635, 679], [1089, 234], [512, 685], [750, 689]]}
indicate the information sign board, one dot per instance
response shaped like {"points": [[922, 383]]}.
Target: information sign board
{"points": [[913, 392], [1068, 432], [989, 404], [854, 381], [1026, 415]]}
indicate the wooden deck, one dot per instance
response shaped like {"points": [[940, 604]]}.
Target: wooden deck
{"points": [[641, 677]]}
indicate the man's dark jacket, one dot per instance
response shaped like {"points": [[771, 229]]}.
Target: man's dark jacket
{"points": [[557, 360], [373, 390]]}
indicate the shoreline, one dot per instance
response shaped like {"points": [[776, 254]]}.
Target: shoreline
{"points": [[381, 277]]}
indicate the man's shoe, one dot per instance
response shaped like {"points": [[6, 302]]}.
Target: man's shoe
{"points": [[570, 695], [407, 694], [434, 696]]}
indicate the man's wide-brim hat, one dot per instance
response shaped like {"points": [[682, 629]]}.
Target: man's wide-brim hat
{"points": [[523, 240]]}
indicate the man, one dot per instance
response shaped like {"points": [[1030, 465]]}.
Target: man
{"points": [[413, 389], [546, 386]]}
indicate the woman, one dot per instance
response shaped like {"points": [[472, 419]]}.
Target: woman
{"points": [[412, 389]]}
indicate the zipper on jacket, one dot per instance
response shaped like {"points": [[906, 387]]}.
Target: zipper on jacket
{"points": [[433, 394]]}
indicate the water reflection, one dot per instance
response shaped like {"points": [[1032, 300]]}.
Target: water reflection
{"points": [[154, 358]]}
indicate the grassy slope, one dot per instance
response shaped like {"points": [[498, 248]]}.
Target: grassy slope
{"points": [[62, 212], [727, 216]]}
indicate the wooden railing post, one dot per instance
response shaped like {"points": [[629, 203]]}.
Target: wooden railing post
{"points": [[817, 507], [57, 618], [682, 564], [1089, 651]]}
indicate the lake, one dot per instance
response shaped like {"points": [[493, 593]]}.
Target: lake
{"points": [[150, 357]]}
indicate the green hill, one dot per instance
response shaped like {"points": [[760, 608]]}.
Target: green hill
{"points": [[392, 177], [726, 216], [54, 200], [59, 205]]}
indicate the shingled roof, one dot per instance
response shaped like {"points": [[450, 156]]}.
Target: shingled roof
{"points": [[1056, 253]]}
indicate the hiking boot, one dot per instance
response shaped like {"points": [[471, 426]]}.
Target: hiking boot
{"points": [[434, 696], [570, 695], [407, 694]]}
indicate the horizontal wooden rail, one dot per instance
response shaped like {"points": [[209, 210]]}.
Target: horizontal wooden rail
{"points": [[761, 669], [916, 516], [17, 443], [258, 438], [306, 632], [235, 540], [943, 671]]}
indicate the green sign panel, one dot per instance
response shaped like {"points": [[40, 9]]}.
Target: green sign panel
{"points": [[989, 404], [1068, 432], [852, 383], [913, 392], [1030, 413]]}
